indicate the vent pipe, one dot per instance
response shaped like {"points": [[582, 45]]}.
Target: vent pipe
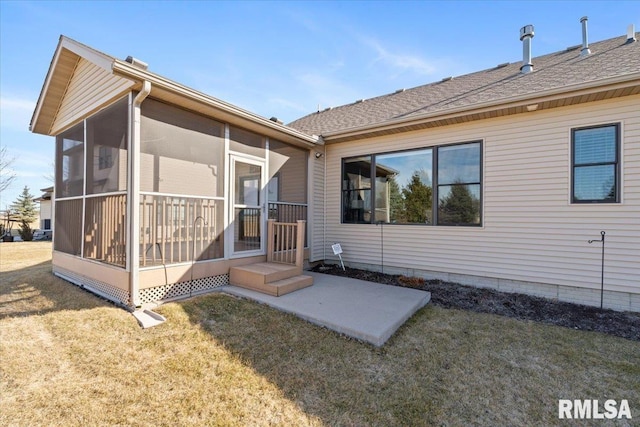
{"points": [[585, 38], [631, 33], [526, 34], [137, 63]]}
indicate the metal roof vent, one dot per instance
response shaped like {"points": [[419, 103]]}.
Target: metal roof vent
{"points": [[585, 39], [137, 63], [631, 33], [276, 120], [526, 34]]}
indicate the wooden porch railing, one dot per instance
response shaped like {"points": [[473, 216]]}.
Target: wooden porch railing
{"points": [[285, 242]]}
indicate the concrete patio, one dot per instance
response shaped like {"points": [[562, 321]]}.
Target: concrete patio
{"points": [[367, 311]]}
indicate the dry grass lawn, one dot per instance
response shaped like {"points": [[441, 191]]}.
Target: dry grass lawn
{"points": [[69, 358]]}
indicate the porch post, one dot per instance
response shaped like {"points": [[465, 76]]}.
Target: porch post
{"points": [[300, 244], [270, 227]]}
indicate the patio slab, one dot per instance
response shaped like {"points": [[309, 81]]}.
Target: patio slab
{"points": [[367, 311]]}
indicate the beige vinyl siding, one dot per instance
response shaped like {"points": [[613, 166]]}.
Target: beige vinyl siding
{"points": [[316, 222], [531, 232], [89, 89]]}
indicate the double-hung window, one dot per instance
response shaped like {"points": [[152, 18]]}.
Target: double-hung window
{"points": [[596, 164]]}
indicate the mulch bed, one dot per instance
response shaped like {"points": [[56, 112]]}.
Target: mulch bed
{"points": [[518, 306]]}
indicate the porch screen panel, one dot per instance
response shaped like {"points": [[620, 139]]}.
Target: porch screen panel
{"points": [[70, 162], [287, 187], [182, 152], [246, 142], [68, 226], [107, 149], [105, 229]]}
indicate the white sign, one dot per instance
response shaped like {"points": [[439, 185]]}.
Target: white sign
{"points": [[337, 249]]}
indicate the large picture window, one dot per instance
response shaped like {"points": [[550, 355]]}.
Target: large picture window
{"points": [[401, 187], [596, 166]]}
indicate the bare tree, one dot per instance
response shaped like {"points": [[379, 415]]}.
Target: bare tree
{"points": [[7, 175], [51, 176]]}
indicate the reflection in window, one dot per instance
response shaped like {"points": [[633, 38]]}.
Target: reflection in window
{"points": [[403, 186], [595, 164], [459, 184], [356, 190]]}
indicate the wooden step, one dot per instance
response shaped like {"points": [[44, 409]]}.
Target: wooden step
{"points": [[280, 287], [261, 273]]}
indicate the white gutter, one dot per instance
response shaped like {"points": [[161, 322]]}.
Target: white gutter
{"points": [[133, 194], [550, 94]]}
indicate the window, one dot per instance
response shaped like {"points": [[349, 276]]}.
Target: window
{"points": [[105, 159], [404, 186], [356, 190], [459, 184], [595, 164]]}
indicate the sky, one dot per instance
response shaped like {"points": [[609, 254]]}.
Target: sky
{"points": [[282, 59]]}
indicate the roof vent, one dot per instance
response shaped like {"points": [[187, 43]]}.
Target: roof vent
{"points": [[631, 33], [137, 63], [399, 90], [526, 34], [359, 101], [585, 39], [277, 120], [570, 48], [446, 79], [504, 64]]}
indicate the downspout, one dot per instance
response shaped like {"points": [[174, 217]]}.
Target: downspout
{"points": [[134, 195], [324, 208]]}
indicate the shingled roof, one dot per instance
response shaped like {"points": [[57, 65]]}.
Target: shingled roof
{"points": [[613, 60]]}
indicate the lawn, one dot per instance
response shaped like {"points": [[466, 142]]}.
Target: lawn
{"points": [[70, 358]]}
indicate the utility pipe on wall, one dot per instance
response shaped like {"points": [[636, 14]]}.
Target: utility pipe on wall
{"points": [[134, 195]]}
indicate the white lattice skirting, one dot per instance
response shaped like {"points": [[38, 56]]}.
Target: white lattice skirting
{"points": [[158, 293], [182, 289], [97, 287]]}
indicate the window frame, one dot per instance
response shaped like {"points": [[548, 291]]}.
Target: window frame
{"points": [[617, 165], [434, 184]]}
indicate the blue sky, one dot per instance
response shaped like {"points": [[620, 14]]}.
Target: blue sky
{"points": [[280, 59]]}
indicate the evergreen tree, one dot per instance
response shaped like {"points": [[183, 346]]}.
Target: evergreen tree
{"points": [[25, 212], [417, 200], [459, 207]]}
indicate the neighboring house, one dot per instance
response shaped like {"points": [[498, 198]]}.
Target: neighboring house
{"points": [[46, 208], [496, 178]]}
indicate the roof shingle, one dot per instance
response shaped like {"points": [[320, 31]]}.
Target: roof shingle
{"points": [[609, 58]]}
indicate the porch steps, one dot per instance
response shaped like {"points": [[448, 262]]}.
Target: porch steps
{"points": [[271, 278]]}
